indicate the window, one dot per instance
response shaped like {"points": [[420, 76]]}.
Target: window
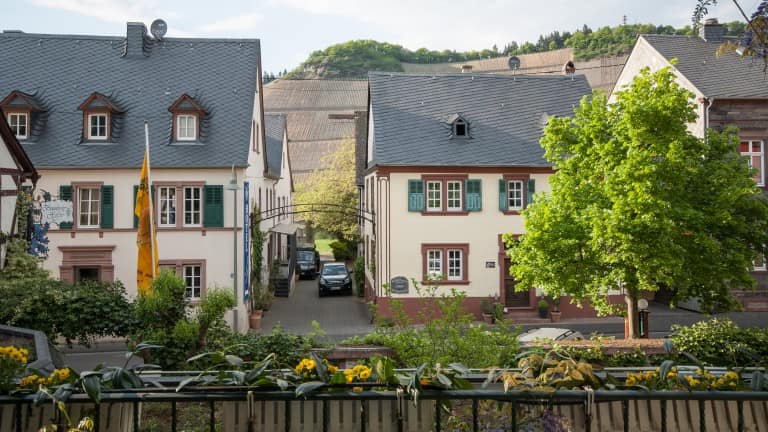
{"points": [[460, 128], [186, 127], [193, 277], [19, 124], [89, 202], [445, 262], [97, 126], [453, 191], [192, 206], [515, 197], [434, 196], [753, 150], [166, 207]]}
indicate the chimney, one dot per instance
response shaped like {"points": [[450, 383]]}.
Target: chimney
{"points": [[712, 31], [134, 42], [569, 68]]}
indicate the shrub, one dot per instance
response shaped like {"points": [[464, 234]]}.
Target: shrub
{"points": [[288, 348], [343, 250], [358, 270], [721, 342]]}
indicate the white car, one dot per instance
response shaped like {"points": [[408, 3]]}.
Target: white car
{"points": [[551, 333]]}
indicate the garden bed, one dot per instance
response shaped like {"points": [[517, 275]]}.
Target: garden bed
{"points": [[608, 346]]}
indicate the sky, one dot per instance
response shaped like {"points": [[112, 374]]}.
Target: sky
{"points": [[290, 30]]}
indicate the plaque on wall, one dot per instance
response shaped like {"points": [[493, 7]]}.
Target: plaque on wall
{"points": [[399, 285], [490, 264]]}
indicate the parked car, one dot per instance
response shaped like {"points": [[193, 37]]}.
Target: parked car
{"points": [[551, 333], [334, 277], [308, 261]]}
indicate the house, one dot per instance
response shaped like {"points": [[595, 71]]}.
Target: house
{"points": [[15, 169], [728, 91], [84, 101], [451, 160]]}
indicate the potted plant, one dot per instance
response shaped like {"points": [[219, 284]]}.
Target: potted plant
{"points": [[486, 307], [543, 306], [555, 313]]}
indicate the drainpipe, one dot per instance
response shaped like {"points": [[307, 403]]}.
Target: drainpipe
{"points": [[709, 102]]}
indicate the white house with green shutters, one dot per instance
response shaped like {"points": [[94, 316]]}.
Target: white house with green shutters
{"points": [[452, 160], [78, 105]]}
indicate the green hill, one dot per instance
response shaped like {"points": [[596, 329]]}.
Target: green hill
{"points": [[354, 59]]}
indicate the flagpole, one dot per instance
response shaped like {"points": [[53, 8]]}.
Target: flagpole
{"points": [[151, 208]]}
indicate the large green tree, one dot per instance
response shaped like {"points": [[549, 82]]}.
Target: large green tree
{"points": [[638, 202], [330, 195]]}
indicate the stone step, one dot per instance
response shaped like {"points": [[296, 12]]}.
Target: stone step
{"points": [[525, 317]]}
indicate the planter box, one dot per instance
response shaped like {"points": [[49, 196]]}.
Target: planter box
{"points": [[115, 417]]}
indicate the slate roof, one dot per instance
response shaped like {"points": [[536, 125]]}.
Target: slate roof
{"points": [[505, 115], [724, 76], [61, 71], [293, 95], [274, 129], [547, 61]]}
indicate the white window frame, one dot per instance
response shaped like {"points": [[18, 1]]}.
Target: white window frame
{"points": [[183, 132], [434, 263], [92, 212], [166, 206], [455, 264], [189, 209], [454, 202], [434, 195], [17, 124], [98, 117], [193, 280], [751, 154], [512, 195]]}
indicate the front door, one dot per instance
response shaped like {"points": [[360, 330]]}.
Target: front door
{"points": [[513, 298]]}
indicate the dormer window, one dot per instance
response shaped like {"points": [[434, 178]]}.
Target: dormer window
{"points": [[21, 110], [459, 126], [19, 123], [98, 111], [187, 113]]}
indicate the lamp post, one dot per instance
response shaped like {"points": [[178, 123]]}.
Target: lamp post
{"points": [[234, 188]]}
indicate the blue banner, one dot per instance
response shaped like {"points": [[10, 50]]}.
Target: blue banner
{"points": [[246, 241]]}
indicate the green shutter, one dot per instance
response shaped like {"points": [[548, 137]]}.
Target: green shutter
{"points": [[213, 209], [135, 218], [415, 195], [531, 190], [65, 194], [107, 207], [503, 195], [474, 195]]}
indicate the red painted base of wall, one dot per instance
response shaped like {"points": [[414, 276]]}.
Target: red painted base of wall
{"points": [[416, 308]]}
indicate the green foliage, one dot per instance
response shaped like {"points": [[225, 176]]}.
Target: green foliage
{"points": [[217, 302], [358, 270], [334, 187], [721, 342], [288, 349], [448, 334], [343, 250], [638, 202], [76, 312], [256, 288], [21, 265]]}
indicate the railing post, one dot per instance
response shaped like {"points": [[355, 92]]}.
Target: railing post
{"points": [[173, 416], [135, 417], [17, 413], [326, 414], [97, 417], [212, 421], [514, 416], [625, 413], [437, 415], [363, 416], [702, 417], [663, 415], [740, 409], [287, 416], [474, 415]]}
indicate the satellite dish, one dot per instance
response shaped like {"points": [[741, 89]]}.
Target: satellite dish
{"points": [[513, 63], [158, 29]]}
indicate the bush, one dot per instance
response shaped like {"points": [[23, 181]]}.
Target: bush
{"points": [[343, 250], [721, 342], [358, 270], [289, 349]]}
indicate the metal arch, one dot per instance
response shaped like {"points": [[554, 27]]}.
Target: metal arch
{"points": [[367, 215]]}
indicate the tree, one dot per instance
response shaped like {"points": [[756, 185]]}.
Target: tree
{"points": [[638, 203], [334, 187], [754, 42]]}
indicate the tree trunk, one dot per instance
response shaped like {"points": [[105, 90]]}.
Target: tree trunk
{"points": [[632, 318]]}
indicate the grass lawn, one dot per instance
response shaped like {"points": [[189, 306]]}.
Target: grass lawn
{"points": [[323, 246]]}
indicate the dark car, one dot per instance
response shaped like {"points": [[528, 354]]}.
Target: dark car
{"points": [[308, 261], [334, 278]]}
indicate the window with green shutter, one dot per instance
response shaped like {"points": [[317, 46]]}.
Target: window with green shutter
{"points": [[415, 195], [503, 194], [213, 210], [474, 195], [65, 194], [107, 207], [531, 190]]}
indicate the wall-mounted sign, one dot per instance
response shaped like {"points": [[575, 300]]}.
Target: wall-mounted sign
{"points": [[56, 211], [490, 264], [399, 285]]}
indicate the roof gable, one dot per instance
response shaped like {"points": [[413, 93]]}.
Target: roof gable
{"points": [[98, 101], [186, 102], [412, 116], [275, 132], [21, 100]]}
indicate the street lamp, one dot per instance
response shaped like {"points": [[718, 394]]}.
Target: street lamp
{"points": [[234, 188]]}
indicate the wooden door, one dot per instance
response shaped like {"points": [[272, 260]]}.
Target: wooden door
{"points": [[511, 297]]}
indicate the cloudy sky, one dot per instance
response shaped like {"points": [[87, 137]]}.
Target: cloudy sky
{"points": [[290, 29]]}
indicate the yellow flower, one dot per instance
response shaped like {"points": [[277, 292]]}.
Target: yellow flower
{"points": [[357, 389], [311, 364], [349, 378], [365, 374], [424, 381], [332, 369]]}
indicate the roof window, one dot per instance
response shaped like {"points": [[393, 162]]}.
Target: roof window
{"points": [[99, 114], [187, 113]]}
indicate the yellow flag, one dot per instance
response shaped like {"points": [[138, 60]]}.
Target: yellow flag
{"points": [[146, 237]]}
